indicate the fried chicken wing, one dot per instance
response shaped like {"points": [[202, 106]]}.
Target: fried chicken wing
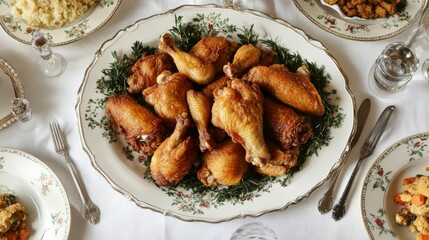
{"points": [[146, 69], [175, 156], [224, 165], [142, 129], [168, 97], [238, 110], [285, 125], [196, 69], [216, 50], [293, 89], [217, 84], [200, 109], [281, 160]]}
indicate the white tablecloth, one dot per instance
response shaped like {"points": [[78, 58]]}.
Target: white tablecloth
{"points": [[55, 98]]}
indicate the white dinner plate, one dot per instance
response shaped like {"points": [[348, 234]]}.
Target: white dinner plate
{"points": [[39, 190], [86, 24], [127, 176], [330, 20], [405, 158]]}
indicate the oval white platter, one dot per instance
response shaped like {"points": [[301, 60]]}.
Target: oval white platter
{"points": [[126, 176], [405, 158], [95, 18], [40, 191]]}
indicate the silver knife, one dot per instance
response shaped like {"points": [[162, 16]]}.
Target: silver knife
{"points": [[367, 149], [325, 203]]}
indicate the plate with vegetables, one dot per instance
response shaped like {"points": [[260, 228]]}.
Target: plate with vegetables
{"points": [[27, 181], [190, 112], [392, 192]]}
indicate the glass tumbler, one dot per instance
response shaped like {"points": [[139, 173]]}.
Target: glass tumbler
{"points": [[254, 230], [395, 67]]}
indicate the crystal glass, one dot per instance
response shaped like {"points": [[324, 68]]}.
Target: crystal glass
{"points": [[254, 230], [395, 67], [51, 64]]}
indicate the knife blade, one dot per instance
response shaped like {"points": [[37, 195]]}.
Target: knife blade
{"points": [[325, 203]]}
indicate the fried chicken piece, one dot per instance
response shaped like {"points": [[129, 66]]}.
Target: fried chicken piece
{"points": [[175, 156], [238, 110], [196, 69], [281, 160], [216, 50], [168, 97], [285, 125], [142, 129], [293, 89], [200, 109], [246, 57], [217, 84], [146, 69], [224, 165]]}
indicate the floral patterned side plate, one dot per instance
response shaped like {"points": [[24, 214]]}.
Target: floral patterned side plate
{"points": [[405, 158], [329, 20], [39, 190], [88, 23]]}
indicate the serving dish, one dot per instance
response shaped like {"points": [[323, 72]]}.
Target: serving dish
{"points": [[330, 21], [354, 20], [39, 190], [126, 176], [405, 158], [12, 97], [89, 22]]}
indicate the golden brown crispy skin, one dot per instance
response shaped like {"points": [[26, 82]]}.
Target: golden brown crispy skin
{"points": [[200, 109], [217, 84], [168, 97], [225, 165], [142, 129], [293, 89], [246, 57], [216, 50], [146, 69], [286, 126], [281, 160], [195, 68], [175, 156], [238, 110]]}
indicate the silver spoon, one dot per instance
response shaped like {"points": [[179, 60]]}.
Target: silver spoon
{"points": [[367, 149]]}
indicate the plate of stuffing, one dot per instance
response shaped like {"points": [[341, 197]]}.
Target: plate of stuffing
{"points": [[33, 202], [208, 116], [62, 22], [395, 198], [362, 20]]}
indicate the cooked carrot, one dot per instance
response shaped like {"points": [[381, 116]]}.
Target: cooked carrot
{"points": [[398, 199], [422, 237], [418, 199], [10, 236], [408, 180], [23, 234]]}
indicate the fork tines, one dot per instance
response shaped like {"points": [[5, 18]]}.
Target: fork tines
{"points": [[58, 137]]}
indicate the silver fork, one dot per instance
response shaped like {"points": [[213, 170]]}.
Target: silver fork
{"points": [[91, 213]]}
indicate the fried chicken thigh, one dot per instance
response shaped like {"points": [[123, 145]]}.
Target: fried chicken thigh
{"points": [[238, 110], [200, 109], [293, 89], [281, 160], [168, 97], [216, 50], [175, 156], [196, 69], [285, 125], [225, 165], [142, 129], [146, 69]]}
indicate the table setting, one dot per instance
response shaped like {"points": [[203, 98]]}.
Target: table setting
{"points": [[81, 163]]}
